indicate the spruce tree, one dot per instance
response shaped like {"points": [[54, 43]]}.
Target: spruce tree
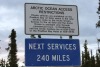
{"points": [[12, 57], [92, 60], [2, 64], [82, 59], [86, 56], [97, 60]]}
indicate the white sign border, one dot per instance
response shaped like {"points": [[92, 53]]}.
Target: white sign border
{"points": [[49, 34]]}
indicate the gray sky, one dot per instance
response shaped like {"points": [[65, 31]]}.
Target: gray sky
{"points": [[12, 17]]}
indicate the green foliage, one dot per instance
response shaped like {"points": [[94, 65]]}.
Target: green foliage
{"points": [[97, 60], [83, 59], [89, 61], [12, 57], [86, 55], [92, 60], [3, 63]]}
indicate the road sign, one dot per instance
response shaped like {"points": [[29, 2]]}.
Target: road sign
{"points": [[51, 19], [52, 52]]}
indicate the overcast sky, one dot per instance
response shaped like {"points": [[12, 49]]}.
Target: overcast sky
{"points": [[12, 17]]}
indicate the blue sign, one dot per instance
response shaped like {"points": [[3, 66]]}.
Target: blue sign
{"points": [[52, 52]]}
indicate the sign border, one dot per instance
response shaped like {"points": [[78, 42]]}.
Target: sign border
{"points": [[55, 39], [49, 4]]}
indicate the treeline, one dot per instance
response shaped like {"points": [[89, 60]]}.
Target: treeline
{"points": [[88, 59], [12, 49]]}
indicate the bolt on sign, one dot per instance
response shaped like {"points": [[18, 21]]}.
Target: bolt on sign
{"points": [[51, 19]]}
